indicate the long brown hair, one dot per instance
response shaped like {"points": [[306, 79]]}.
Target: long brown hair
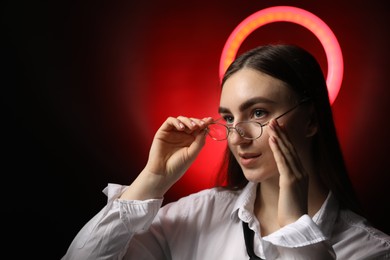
{"points": [[302, 73]]}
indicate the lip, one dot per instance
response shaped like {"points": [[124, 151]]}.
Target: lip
{"points": [[248, 159]]}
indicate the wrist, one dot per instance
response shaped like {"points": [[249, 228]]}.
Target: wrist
{"points": [[145, 186]]}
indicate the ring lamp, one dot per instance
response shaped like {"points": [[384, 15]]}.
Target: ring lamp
{"points": [[294, 15]]}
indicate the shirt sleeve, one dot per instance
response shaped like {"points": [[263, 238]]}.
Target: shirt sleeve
{"points": [[301, 238], [108, 233]]}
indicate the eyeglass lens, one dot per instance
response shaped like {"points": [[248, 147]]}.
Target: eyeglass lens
{"points": [[218, 131]]}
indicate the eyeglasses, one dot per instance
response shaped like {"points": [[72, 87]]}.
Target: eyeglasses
{"points": [[249, 130]]}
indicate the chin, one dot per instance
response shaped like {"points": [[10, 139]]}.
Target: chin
{"points": [[259, 174]]}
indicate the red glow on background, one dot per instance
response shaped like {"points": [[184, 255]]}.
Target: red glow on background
{"points": [[87, 84], [295, 15], [173, 79], [173, 69]]}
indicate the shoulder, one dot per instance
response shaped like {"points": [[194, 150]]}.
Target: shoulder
{"points": [[353, 229], [360, 224]]}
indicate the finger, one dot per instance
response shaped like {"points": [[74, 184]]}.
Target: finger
{"points": [[286, 149], [172, 123], [197, 144], [199, 134], [281, 162], [200, 123], [208, 120], [282, 134], [191, 124]]}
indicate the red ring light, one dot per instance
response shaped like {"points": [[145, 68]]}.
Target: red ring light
{"points": [[294, 15]]}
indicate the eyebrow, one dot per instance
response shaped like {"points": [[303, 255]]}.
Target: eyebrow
{"points": [[247, 104]]}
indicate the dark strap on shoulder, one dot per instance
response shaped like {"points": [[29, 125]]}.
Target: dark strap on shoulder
{"points": [[249, 235]]}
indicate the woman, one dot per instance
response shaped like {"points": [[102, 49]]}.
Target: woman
{"points": [[287, 192]]}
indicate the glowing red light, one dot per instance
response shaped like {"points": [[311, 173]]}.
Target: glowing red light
{"points": [[294, 15]]}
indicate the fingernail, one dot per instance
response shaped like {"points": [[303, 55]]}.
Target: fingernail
{"points": [[271, 124]]}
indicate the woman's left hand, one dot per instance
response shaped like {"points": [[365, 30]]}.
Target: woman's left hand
{"points": [[293, 181]]}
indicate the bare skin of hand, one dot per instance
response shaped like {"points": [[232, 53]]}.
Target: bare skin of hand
{"points": [[293, 180], [175, 146]]}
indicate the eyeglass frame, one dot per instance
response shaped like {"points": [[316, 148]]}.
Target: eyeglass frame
{"points": [[229, 128]]}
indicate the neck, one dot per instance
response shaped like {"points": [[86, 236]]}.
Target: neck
{"points": [[267, 200]]}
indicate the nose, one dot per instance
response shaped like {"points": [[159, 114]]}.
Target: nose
{"points": [[235, 138]]}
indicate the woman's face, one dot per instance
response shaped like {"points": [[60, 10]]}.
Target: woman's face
{"points": [[250, 95]]}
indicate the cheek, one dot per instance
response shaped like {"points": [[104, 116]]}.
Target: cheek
{"points": [[233, 149], [296, 135], [267, 160]]}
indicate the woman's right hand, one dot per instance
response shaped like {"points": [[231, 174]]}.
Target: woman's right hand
{"points": [[175, 146]]}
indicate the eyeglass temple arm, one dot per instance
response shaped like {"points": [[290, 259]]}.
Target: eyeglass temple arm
{"points": [[291, 109]]}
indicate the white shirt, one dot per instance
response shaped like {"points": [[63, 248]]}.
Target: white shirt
{"points": [[207, 226]]}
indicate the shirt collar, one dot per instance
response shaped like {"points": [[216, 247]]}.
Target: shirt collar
{"points": [[244, 207], [326, 216]]}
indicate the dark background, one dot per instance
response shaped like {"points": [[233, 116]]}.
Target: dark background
{"points": [[84, 86]]}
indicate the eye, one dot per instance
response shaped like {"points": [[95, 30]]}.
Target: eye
{"points": [[228, 119], [259, 113]]}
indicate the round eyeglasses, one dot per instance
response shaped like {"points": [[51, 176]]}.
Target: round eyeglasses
{"points": [[249, 130]]}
